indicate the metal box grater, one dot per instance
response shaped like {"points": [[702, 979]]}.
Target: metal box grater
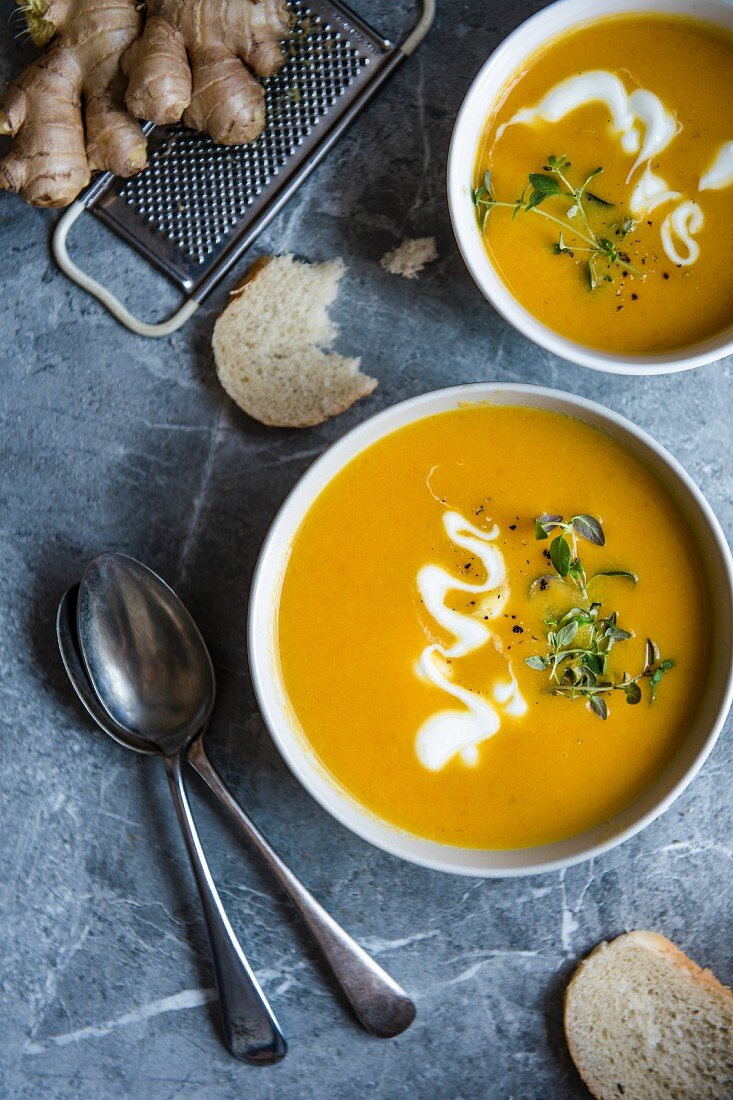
{"points": [[198, 206]]}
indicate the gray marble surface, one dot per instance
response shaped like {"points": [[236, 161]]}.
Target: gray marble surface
{"points": [[113, 441]]}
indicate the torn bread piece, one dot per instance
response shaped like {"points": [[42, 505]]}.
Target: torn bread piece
{"points": [[269, 345], [644, 1022], [409, 258]]}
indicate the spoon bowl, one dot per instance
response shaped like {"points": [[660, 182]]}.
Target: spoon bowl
{"points": [[75, 670], [143, 654]]}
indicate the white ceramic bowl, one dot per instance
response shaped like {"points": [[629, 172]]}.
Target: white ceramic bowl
{"points": [[481, 98], [291, 742]]}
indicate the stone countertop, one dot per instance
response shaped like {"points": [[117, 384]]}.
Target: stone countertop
{"points": [[110, 440]]}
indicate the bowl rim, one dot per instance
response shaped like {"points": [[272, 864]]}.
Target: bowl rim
{"points": [[557, 18], [264, 597]]}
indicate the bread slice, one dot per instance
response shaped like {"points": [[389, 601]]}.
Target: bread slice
{"points": [[643, 1022], [410, 257], [269, 345]]}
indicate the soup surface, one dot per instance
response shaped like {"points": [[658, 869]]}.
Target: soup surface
{"points": [[406, 618], [647, 100]]}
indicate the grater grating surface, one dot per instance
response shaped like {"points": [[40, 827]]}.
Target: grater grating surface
{"points": [[195, 196], [195, 192], [198, 207]]}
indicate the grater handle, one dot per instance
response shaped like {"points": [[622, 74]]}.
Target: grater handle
{"points": [[420, 29], [99, 291]]}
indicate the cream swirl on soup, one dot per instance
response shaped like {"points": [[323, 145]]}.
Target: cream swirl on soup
{"points": [[460, 731], [627, 111], [720, 172]]}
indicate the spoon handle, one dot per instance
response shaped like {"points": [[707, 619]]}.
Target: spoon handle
{"points": [[250, 1029], [381, 1005]]}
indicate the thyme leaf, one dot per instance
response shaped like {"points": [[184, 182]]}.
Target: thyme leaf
{"points": [[561, 247], [589, 528], [597, 198], [561, 555], [615, 573], [544, 524]]}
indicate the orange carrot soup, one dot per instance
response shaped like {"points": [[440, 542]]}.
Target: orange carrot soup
{"points": [[491, 627], [604, 180]]}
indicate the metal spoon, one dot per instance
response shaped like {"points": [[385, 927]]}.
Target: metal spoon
{"points": [[380, 1004], [121, 652]]}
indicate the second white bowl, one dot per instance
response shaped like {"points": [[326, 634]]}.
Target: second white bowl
{"points": [[481, 98]]}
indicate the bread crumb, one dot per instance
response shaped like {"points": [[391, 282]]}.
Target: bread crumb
{"points": [[410, 257]]}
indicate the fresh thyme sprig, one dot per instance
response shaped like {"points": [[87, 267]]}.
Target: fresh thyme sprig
{"points": [[564, 551], [580, 640], [602, 253]]}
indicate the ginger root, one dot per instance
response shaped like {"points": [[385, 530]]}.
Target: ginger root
{"points": [[191, 63], [66, 110]]}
